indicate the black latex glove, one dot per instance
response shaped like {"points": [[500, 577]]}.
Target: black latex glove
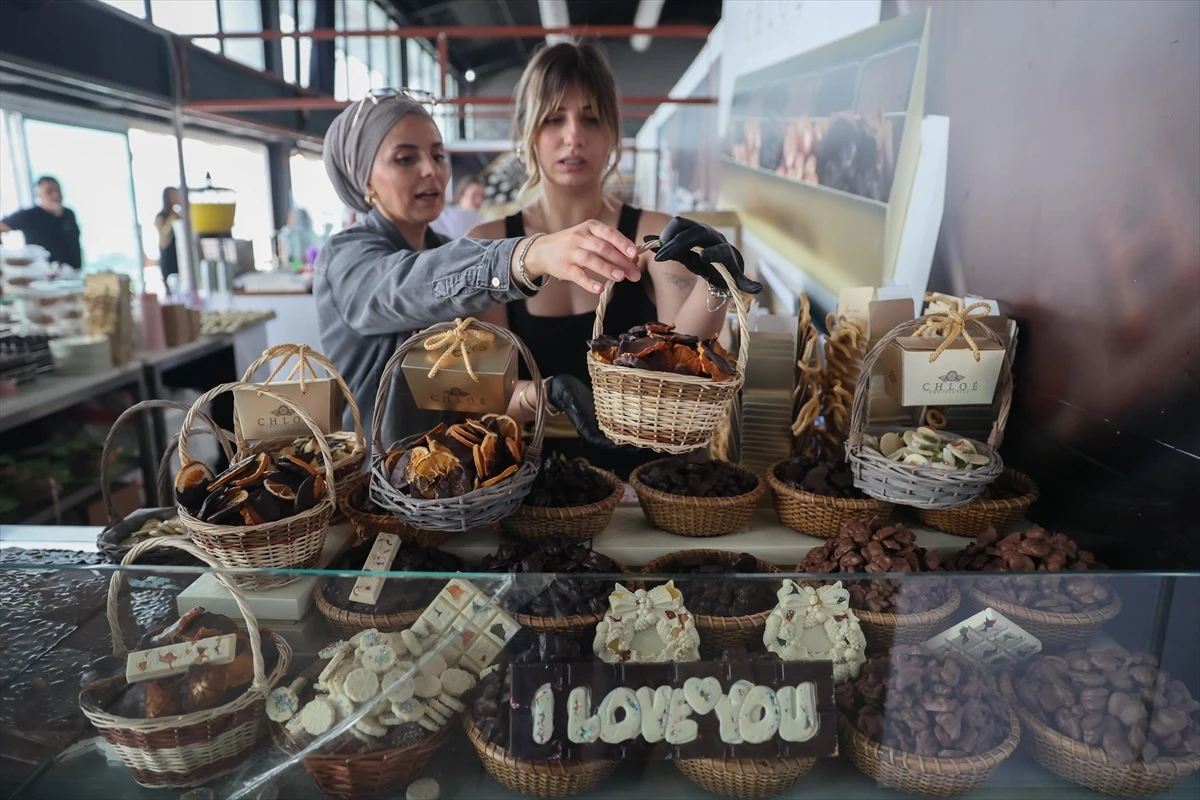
{"points": [[573, 397], [681, 235]]}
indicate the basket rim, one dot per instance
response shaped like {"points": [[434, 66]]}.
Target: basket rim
{"points": [[811, 498], [699, 503], [327, 609], [279, 739], [1079, 618], [933, 615], [494, 752], [1021, 502], [526, 511], [1081, 750], [869, 458], [966, 765], [539, 622], [663, 377], [710, 621], [461, 503]]}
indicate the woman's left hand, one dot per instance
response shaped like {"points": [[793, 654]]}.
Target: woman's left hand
{"points": [[681, 235]]}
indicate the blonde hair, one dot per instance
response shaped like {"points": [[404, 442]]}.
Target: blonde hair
{"points": [[551, 71]]}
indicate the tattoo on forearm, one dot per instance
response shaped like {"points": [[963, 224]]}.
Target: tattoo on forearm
{"points": [[683, 283]]}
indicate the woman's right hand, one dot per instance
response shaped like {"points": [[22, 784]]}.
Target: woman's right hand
{"points": [[587, 254]]}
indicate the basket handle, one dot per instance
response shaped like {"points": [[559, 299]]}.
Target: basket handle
{"points": [[166, 491], [385, 381], [114, 590], [110, 440], [739, 307], [206, 398], [303, 355], [858, 416]]}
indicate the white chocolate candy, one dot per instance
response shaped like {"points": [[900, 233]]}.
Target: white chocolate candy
{"points": [[542, 709], [437, 716], [295, 725], [611, 730], [370, 727], [457, 682], [402, 692], [318, 716], [656, 708], [427, 686], [412, 643], [335, 661], [428, 724], [435, 665], [409, 710], [423, 789], [389, 719], [452, 703], [361, 685], [337, 681], [282, 703], [329, 650], [396, 642], [379, 658], [344, 705], [702, 694]]}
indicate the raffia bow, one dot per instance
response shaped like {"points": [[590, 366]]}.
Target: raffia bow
{"points": [[458, 341], [951, 324], [660, 598], [792, 596], [303, 366]]}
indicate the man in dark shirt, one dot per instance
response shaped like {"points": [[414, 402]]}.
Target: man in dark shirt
{"points": [[48, 224]]}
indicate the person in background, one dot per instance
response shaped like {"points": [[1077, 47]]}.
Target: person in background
{"points": [[296, 238], [164, 223], [459, 218], [568, 124], [49, 224], [390, 275]]}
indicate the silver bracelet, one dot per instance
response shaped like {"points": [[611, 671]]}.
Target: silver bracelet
{"points": [[521, 273], [720, 295]]}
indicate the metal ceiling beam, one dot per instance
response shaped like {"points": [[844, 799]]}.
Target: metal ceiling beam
{"points": [[475, 32], [329, 103], [646, 16], [555, 14]]}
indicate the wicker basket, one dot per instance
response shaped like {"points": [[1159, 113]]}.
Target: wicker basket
{"points": [[537, 778], [293, 542], [580, 627], [745, 778], [473, 509], [368, 524], [367, 775], [576, 523], [718, 633], [1056, 630], [346, 623], [816, 514], [977, 516], [348, 468], [1090, 766], [696, 516], [922, 487], [190, 749], [118, 530], [924, 775], [663, 411], [884, 630]]}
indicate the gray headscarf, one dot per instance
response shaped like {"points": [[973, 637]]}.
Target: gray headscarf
{"points": [[353, 139]]}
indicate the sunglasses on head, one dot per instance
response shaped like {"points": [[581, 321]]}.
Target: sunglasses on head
{"points": [[376, 96]]}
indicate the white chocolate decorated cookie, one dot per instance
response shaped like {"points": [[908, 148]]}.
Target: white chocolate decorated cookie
{"points": [[643, 627], [318, 716], [361, 685], [817, 625]]}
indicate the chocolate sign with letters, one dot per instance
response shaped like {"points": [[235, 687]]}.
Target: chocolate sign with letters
{"points": [[752, 709]]}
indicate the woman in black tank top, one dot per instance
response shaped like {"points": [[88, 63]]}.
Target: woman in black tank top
{"points": [[568, 124]]}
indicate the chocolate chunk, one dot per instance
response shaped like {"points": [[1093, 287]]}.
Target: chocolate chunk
{"points": [[561, 483], [697, 476], [564, 595], [830, 478]]}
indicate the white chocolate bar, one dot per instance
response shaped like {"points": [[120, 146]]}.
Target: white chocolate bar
{"points": [[366, 589], [161, 662]]}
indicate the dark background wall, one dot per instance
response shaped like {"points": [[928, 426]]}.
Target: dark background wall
{"points": [[1073, 197]]}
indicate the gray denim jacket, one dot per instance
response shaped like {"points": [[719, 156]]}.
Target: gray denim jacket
{"points": [[373, 291]]}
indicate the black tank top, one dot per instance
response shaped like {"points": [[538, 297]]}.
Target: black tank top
{"points": [[559, 344]]}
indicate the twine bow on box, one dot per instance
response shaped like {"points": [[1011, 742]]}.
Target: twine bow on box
{"points": [[951, 324], [458, 341], [306, 370]]}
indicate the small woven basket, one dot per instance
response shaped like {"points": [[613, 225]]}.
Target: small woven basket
{"points": [[293, 542], [189, 749], [696, 516], [580, 627], [109, 541], [1055, 629], [1090, 766], [663, 411], [576, 523], [537, 778], [719, 633], [474, 509], [816, 514], [346, 623], [745, 778], [922, 486], [355, 776], [924, 775], [883, 631], [345, 470], [978, 515], [368, 524]]}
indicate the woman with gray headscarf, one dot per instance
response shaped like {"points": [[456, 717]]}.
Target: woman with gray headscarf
{"points": [[390, 275]]}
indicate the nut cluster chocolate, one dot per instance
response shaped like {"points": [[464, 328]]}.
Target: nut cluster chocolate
{"points": [[720, 597], [695, 475], [875, 547], [1118, 701], [656, 346], [826, 478], [564, 595], [396, 595], [449, 462], [1035, 550], [563, 483], [258, 489], [932, 705]]}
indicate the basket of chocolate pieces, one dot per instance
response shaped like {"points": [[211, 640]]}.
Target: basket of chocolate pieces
{"points": [[692, 495], [1056, 601], [891, 611], [728, 613], [263, 511], [569, 498], [818, 497], [368, 519], [1112, 721], [187, 706], [119, 535], [932, 725], [663, 390], [1003, 504]]}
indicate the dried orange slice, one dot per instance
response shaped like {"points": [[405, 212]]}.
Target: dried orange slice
{"points": [[463, 435], [491, 449], [260, 467], [505, 475]]}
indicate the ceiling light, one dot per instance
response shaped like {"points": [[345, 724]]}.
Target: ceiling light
{"points": [[469, 75]]}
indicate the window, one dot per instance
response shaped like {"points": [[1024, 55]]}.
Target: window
{"points": [[312, 191], [155, 166], [242, 167], [188, 17], [358, 75], [341, 84], [377, 47], [243, 16], [395, 77], [135, 7], [10, 195]]}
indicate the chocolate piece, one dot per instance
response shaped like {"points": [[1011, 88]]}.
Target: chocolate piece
{"points": [[694, 475], [564, 596], [714, 596], [658, 347], [396, 595], [829, 479], [561, 483]]}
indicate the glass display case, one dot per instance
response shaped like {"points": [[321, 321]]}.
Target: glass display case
{"points": [[744, 678]]}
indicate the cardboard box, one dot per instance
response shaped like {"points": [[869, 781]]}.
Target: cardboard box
{"points": [[883, 315], [954, 379], [177, 324], [263, 417], [452, 388]]}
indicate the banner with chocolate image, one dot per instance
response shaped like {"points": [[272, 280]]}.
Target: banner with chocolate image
{"points": [[593, 711]]}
